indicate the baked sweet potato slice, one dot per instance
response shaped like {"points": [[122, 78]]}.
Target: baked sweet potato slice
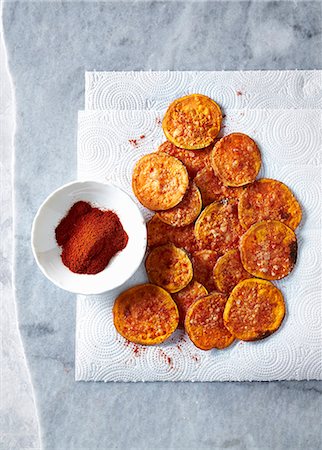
{"points": [[194, 160], [204, 322], [268, 199], [160, 233], [169, 267], [218, 228], [254, 310], [268, 250], [186, 211], [192, 122], [186, 297], [236, 159], [203, 262], [229, 271], [210, 186], [212, 189], [145, 314], [159, 181]]}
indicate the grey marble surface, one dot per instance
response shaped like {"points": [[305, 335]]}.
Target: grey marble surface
{"points": [[18, 426], [50, 45]]}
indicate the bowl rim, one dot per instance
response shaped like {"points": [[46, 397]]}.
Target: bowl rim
{"points": [[42, 268]]}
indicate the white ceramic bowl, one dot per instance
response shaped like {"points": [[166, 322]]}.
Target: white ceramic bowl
{"points": [[47, 253]]}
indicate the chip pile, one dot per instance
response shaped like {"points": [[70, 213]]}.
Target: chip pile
{"points": [[217, 237]]}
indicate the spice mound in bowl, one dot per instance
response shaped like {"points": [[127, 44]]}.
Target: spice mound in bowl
{"points": [[88, 237]]}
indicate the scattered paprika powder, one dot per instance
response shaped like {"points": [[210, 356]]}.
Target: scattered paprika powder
{"points": [[89, 237]]}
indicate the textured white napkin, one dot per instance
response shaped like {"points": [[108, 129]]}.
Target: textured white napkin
{"points": [[232, 90], [290, 141]]}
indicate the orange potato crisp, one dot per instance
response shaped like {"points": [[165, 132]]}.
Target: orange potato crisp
{"points": [[145, 314], [159, 181], [203, 262], [268, 199], [204, 322], [186, 297], [212, 189], [169, 267], [194, 160], [186, 211], [218, 228], [236, 159], [254, 310], [192, 122], [229, 271], [160, 233], [268, 250]]}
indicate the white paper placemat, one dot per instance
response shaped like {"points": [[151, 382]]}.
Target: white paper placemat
{"points": [[232, 90], [290, 142]]}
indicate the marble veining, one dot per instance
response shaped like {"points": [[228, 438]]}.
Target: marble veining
{"points": [[50, 45], [18, 425]]}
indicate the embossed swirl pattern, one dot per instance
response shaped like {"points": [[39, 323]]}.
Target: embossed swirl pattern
{"points": [[294, 352], [251, 89]]}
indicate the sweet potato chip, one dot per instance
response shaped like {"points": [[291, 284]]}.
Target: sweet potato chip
{"points": [[194, 160], [186, 297], [169, 267], [218, 228], [184, 237], [254, 310], [268, 199], [268, 250], [145, 314], [212, 189], [210, 186], [159, 181], [203, 262], [186, 211], [204, 322], [236, 159], [192, 122], [229, 271], [160, 233]]}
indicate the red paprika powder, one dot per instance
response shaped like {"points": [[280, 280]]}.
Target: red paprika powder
{"points": [[89, 238]]}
